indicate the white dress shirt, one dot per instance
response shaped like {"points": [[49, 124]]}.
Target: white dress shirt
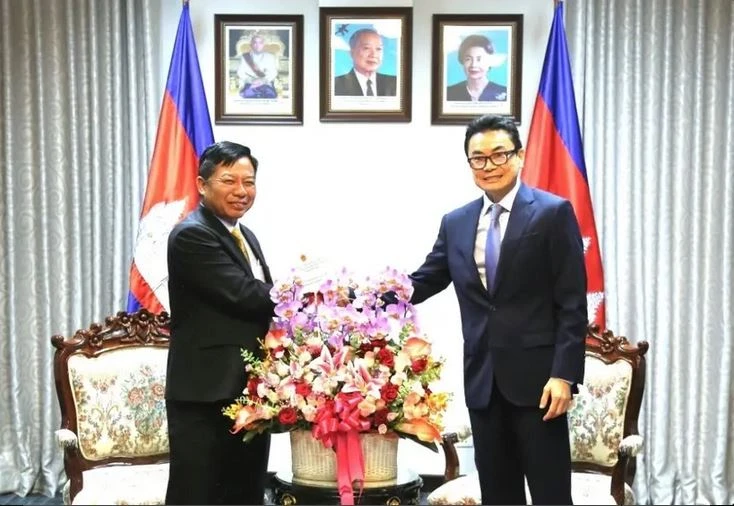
{"points": [[363, 82], [483, 226]]}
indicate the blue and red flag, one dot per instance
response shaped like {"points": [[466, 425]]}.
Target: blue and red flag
{"points": [[184, 131], [555, 155]]}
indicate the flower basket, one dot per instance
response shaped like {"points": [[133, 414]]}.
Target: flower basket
{"points": [[347, 372], [313, 464]]}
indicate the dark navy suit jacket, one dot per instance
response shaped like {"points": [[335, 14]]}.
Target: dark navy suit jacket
{"points": [[533, 326]]}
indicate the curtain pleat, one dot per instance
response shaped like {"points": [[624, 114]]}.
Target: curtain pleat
{"points": [[76, 124], [656, 109]]}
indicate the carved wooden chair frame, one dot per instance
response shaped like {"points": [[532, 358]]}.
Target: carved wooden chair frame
{"points": [[608, 348], [121, 331]]}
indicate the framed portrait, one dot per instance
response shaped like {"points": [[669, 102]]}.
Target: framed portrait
{"points": [[477, 67], [365, 63], [258, 69]]}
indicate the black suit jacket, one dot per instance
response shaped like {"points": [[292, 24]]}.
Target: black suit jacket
{"points": [[533, 325], [348, 85], [217, 307]]}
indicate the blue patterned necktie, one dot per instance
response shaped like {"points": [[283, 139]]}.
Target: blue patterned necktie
{"points": [[492, 247], [370, 93]]}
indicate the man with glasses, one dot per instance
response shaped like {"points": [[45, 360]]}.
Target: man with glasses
{"points": [[219, 287], [516, 259]]}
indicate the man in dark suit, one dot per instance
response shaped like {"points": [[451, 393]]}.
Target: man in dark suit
{"points": [[219, 287], [366, 50], [515, 257]]}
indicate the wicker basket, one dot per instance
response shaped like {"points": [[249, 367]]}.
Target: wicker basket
{"points": [[312, 464]]}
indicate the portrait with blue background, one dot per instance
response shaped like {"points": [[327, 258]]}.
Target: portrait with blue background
{"points": [[343, 29], [500, 42]]}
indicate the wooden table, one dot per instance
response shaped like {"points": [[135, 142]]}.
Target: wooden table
{"points": [[405, 490]]}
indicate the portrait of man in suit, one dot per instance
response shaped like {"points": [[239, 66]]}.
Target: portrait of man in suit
{"points": [[516, 260], [219, 287], [366, 50]]}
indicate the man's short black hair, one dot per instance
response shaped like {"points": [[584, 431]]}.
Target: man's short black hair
{"points": [[223, 153], [492, 122]]}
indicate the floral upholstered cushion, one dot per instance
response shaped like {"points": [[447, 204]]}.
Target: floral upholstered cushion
{"points": [[589, 488], [585, 489], [462, 490], [142, 484], [119, 400], [596, 418]]}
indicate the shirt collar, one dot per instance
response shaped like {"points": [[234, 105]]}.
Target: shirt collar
{"points": [[363, 80], [506, 201], [229, 226]]}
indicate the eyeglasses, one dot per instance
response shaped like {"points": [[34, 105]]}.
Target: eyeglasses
{"points": [[230, 182], [479, 162]]}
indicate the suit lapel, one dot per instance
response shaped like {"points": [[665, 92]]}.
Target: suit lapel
{"points": [[467, 239], [520, 216], [228, 242], [354, 86]]}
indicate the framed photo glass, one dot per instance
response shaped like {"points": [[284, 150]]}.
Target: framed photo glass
{"points": [[365, 63], [477, 67], [258, 69]]}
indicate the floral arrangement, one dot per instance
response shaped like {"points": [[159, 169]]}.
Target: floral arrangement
{"points": [[343, 358]]}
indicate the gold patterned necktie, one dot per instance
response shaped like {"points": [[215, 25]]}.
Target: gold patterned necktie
{"points": [[237, 234]]}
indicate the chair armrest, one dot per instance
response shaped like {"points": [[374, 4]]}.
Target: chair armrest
{"points": [[631, 445], [448, 442], [66, 439]]}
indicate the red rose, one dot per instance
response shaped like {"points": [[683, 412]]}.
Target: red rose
{"points": [[419, 365], [380, 417], [287, 416], [386, 357], [389, 392], [372, 344], [303, 389], [252, 384]]}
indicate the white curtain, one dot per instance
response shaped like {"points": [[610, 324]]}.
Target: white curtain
{"points": [[655, 88], [78, 108]]}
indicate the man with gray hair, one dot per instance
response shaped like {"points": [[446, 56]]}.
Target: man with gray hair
{"points": [[366, 50]]}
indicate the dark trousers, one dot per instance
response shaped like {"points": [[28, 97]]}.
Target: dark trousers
{"points": [[208, 465], [512, 442]]}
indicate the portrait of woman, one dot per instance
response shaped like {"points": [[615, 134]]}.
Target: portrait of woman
{"points": [[477, 63], [476, 56]]}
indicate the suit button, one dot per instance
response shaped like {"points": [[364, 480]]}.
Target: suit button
{"points": [[492, 307]]}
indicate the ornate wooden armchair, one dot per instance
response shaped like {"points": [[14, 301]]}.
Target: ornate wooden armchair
{"points": [[110, 381], [602, 428]]}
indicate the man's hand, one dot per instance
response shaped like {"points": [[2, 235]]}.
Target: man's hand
{"points": [[559, 392]]}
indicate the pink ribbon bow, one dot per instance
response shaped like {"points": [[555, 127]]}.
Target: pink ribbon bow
{"points": [[338, 426]]}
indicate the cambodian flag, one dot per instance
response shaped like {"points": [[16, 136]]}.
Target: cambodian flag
{"points": [[184, 131], [555, 155]]}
